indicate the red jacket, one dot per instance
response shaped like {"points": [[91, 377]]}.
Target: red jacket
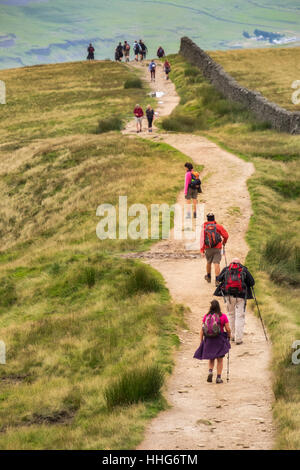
{"points": [[220, 229], [138, 112]]}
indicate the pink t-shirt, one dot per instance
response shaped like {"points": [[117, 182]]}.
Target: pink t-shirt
{"points": [[223, 320]]}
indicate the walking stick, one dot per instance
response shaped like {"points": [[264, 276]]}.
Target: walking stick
{"points": [[228, 367], [224, 253], [259, 314]]}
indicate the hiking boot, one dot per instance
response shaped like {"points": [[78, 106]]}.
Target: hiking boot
{"points": [[239, 342], [188, 216], [210, 377], [207, 278], [219, 380], [195, 215]]}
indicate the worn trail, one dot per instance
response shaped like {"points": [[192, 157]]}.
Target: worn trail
{"points": [[234, 415]]}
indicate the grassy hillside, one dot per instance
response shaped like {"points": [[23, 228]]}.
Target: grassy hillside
{"points": [[273, 233], [270, 71], [75, 316]]}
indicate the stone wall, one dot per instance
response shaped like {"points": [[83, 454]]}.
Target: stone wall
{"points": [[265, 111]]}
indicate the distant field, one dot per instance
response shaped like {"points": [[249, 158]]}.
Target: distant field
{"points": [[59, 30], [270, 71]]}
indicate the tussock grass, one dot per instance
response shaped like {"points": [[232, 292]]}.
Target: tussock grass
{"points": [[109, 124], [133, 82], [142, 279], [137, 385]]}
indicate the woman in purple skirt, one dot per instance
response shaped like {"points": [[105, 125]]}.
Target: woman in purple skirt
{"points": [[215, 342]]}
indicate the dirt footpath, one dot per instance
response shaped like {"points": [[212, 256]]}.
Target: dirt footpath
{"points": [[234, 415]]}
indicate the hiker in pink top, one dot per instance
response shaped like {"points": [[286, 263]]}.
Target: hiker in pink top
{"points": [[139, 113], [215, 340]]}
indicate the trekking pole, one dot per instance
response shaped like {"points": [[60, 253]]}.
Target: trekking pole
{"points": [[224, 253], [259, 314], [228, 367]]}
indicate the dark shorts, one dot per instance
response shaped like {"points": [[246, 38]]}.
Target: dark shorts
{"points": [[213, 255], [192, 194]]}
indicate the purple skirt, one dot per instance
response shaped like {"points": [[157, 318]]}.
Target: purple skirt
{"points": [[211, 348]]}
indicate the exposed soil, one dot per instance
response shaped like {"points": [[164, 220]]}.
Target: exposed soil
{"points": [[233, 415]]}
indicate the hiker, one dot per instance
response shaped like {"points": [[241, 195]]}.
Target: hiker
{"points": [[119, 52], [167, 69], [152, 69], [91, 51], [235, 286], [136, 49], [126, 49], [143, 50], [160, 52], [192, 186], [150, 117], [139, 113], [213, 237], [214, 341]]}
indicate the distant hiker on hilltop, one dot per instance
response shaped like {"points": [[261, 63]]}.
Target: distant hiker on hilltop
{"points": [[91, 51], [235, 286], [213, 237], [152, 70], [143, 50], [119, 52], [214, 341], [192, 186], [160, 52], [126, 49], [150, 117], [139, 113], [136, 49], [167, 69]]}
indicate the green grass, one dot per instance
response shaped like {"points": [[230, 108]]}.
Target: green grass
{"points": [[274, 227], [134, 82], [110, 124], [74, 314], [137, 385]]}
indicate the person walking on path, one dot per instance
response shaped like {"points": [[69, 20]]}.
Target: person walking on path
{"points": [[235, 283], [136, 49], [150, 117], [192, 186], [91, 52], [152, 69], [119, 52], [213, 237], [160, 52], [139, 113], [214, 341], [143, 50], [126, 49], [167, 69]]}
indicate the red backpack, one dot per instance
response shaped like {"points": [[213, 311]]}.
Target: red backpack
{"points": [[211, 236], [234, 280], [212, 325]]}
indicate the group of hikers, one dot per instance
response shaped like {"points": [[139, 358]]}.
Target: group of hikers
{"points": [[139, 48], [235, 284]]}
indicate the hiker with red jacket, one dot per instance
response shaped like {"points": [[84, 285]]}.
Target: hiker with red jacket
{"points": [[235, 283], [192, 186], [213, 238], [214, 341], [139, 113]]}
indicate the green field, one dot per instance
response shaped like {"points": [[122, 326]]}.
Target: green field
{"points": [[52, 31], [274, 255]]}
